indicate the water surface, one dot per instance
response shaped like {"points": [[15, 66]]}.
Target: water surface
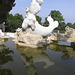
{"points": [[53, 60]]}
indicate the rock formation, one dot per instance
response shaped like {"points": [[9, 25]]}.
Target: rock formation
{"points": [[5, 7], [68, 36], [1, 41], [28, 39]]}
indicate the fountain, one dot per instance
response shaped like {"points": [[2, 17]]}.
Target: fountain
{"points": [[32, 30]]}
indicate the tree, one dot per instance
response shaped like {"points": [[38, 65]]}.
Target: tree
{"points": [[13, 22], [74, 25], [56, 15], [61, 26], [46, 23], [38, 18], [69, 24]]}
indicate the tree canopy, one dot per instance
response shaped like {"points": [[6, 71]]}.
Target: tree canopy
{"points": [[13, 22], [38, 18], [56, 15]]}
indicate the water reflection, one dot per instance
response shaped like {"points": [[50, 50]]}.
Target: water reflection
{"points": [[31, 56], [36, 61], [5, 72], [5, 57], [67, 51], [2, 41]]}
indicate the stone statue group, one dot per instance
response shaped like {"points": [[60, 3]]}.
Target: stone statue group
{"points": [[31, 34], [30, 24], [30, 18]]}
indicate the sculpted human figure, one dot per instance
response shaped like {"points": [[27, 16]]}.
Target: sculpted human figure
{"points": [[32, 33], [35, 7], [40, 2], [30, 24], [29, 20]]}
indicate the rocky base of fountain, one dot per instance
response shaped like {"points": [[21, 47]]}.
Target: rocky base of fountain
{"points": [[32, 33], [68, 36], [29, 40], [1, 41]]}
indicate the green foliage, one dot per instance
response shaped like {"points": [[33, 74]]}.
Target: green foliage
{"points": [[61, 26], [13, 4], [56, 15], [74, 25], [46, 23], [71, 25], [38, 19], [13, 22]]}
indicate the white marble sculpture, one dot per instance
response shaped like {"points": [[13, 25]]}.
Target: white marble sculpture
{"points": [[44, 31], [35, 7], [31, 34], [29, 20], [30, 24]]}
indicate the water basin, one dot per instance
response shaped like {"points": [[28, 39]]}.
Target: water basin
{"points": [[53, 60]]}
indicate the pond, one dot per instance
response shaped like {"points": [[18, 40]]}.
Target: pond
{"points": [[53, 60]]}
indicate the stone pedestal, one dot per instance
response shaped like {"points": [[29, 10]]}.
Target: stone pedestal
{"points": [[29, 40]]}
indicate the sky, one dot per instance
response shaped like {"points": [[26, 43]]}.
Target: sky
{"points": [[66, 8]]}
